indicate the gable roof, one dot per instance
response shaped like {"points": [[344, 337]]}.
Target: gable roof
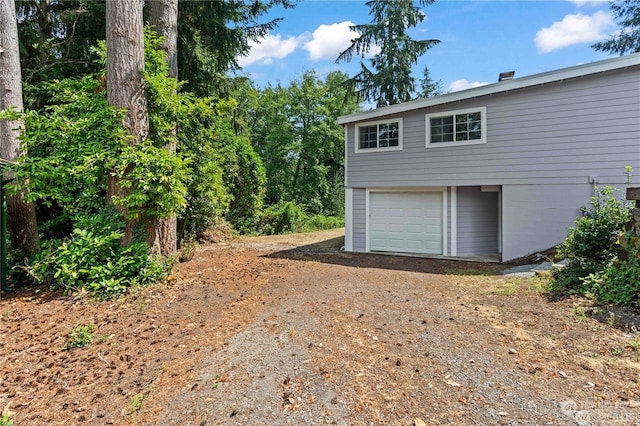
{"points": [[620, 62]]}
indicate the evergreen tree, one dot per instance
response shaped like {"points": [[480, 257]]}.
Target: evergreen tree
{"points": [[627, 13], [428, 87], [389, 79]]}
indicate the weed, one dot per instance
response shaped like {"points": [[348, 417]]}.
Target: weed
{"points": [[635, 344], [6, 416], [580, 312], [4, 314], [80, 337], [617, 351], [135, 402], [611, 320]]}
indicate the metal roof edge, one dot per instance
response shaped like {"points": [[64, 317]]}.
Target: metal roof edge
{"points": [[581, 70]]}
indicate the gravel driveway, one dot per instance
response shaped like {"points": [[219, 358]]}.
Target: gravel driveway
{"points": [[352, 339], [289, 330]]}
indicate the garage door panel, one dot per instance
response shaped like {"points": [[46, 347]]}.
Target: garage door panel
{"points": [[408, 222]]}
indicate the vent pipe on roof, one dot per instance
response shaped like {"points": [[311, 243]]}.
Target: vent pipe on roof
{"points": [[507, 75]]}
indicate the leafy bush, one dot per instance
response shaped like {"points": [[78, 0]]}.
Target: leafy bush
{"points": [[93, 260], [287, 217], [619, 282], [591, 245]]}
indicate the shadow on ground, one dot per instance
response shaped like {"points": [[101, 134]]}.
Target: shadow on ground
{"points": [[330, 251]]}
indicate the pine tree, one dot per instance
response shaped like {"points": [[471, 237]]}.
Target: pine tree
{"points": [[389, 79], [22, 222], [429, 87], [627, 13]]}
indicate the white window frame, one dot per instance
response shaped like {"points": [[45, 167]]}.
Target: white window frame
{"points": [[483, 127], [377, 123]]}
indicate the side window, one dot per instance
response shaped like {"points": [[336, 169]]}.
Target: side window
{"points": [[379, 136], [463, 127]]}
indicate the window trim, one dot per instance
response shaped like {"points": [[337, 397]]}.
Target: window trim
{"points": [[483, 127], [377, 123]]}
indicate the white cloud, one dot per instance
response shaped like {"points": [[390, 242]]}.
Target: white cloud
{"points": [[329, 40], [270, 48], [463, 84], [574, 29]]}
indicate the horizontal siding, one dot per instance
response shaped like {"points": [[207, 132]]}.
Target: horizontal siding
{"points": [[536, 217], [477, 218], [359, 220], [559, 133]]}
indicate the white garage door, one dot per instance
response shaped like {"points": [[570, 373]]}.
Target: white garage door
{"points": [[405, 222]]}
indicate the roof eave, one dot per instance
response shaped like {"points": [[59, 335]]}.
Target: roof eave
{"points": [[576, 71]]}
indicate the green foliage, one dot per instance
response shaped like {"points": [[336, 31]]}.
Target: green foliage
{"points": [[627, 40], [618, 283], [389, 81], [6, 420], [289, 217], [56, 40], [591, 245], [429, 87], [213, 34], [93, 260], [73, 145], [302, 147], [80, 337]]}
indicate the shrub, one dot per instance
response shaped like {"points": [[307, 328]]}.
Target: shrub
{"points": [[591, 245], [286, 217], [619, 282], [92, 259]]}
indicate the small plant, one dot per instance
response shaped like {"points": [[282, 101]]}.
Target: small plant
{"points": [[6, 416], [6, 420], [580, 312], [80, 337], [135, 402]]}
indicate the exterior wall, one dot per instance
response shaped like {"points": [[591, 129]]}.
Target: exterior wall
{"points": [[477, 222], [536, 217], [546, 147], [359, 220], [559, 133]]}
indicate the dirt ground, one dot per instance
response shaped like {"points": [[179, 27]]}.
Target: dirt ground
{"points": [[290, 330]]}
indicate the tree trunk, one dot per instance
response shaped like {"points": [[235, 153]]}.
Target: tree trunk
{"points": [[163, 14], [125, 82], [22, 224]]}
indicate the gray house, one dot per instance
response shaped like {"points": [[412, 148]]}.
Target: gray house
{"points": [[495, 172]]}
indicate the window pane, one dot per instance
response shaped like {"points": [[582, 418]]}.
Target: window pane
{"points": [[368, 137]]}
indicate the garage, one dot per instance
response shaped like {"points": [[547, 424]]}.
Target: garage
{"points": [[406, 222]]}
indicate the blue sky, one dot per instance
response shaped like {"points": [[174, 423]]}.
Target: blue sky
{"points": [[479, 39]]}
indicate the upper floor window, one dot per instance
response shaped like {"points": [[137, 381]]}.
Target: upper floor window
{"points": [[465, 127], [379, 135]]}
